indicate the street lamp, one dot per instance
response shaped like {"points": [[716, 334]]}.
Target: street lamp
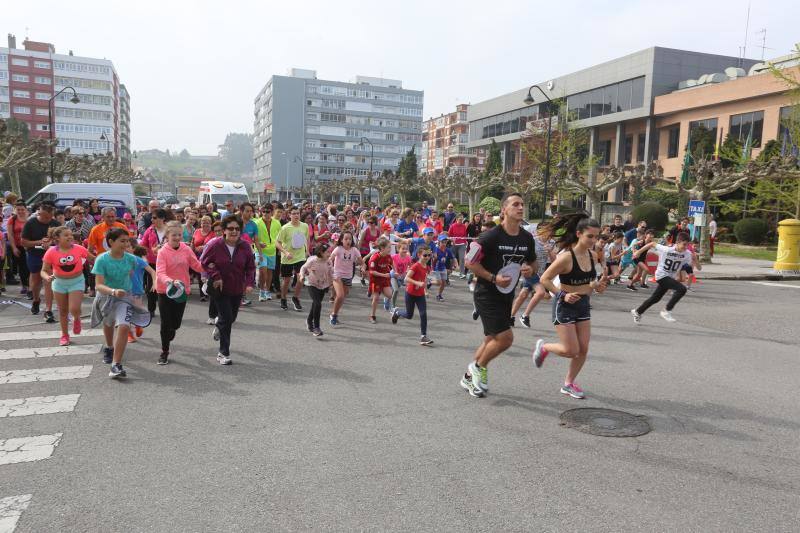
{"points": [[107, 141], [371, 157], [51, 127], [286, 156], [529, 101], [295, 159]]}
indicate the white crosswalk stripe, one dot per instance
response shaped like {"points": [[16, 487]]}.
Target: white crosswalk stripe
{"points": [[27, 449], [41, 335], [45, 374], [38, 405], [50, 351], [11, 509]]}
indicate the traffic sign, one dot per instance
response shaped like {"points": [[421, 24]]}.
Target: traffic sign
{"points": [[696, 207]]}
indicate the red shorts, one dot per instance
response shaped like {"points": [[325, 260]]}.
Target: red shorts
{"points": [[378, 284]]}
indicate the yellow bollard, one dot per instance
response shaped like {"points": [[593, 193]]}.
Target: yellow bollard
{"points": [[788, 259]]}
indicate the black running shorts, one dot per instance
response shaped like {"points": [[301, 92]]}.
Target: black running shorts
{"points": [[287, 271], [494, 309], [565, 313]]}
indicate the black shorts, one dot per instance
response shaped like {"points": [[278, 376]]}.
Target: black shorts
{"points": [[494, 309], [565, 313], [287, 271], [688, 269]]}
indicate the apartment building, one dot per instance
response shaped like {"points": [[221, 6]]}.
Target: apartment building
{"points": [[444, 144], [308, 130]]}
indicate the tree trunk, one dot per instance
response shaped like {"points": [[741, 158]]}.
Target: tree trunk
{"points": [[402, 196], [704, 254], [595, 204], [15, 187]]}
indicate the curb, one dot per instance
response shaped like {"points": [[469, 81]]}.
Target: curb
{"points": [[756, 277]]}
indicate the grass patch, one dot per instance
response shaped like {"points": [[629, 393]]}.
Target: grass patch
{"points": [[750, 252]]}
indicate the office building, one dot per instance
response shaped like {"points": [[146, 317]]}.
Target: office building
{"points": [[444, 144], [308, 130], [31, 75], [614, 99], [124, 125]]}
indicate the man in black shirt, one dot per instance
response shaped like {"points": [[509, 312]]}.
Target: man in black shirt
{"points": [[34, 239], [617, 225], [501, 246]]}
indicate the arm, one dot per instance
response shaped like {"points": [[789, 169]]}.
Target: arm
{"points": [[194, 263], [559, 266], [412, 281], [644, 248], [101, 287], [161, 269], [153, 276], [47, 272]]}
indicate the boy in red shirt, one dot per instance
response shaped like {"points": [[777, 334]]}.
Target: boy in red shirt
{"points": [[380, 279], [416, 280]]}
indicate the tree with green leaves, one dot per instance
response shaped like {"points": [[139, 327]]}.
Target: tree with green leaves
{"points": [[18, 152], [494, 167], [406, 179], [237, 153], [474, 185]]}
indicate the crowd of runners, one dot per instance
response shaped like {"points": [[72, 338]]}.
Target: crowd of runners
{"points": [[141, 267]]}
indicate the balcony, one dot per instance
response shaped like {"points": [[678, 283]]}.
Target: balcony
{"points": [[460, 150]]}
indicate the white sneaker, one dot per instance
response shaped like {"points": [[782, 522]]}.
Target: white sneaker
{"points": [[262, 296], [268, 296], [223, 359], [479, 375], [211, 321], [666, 315], [637, 318]]}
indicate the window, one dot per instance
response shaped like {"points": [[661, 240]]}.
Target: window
{"points": [[41, 127], [784, 135], [3, 74], [748, 126], [41, 111], [19, 62], [628, 156], [42, 96], [604, 153], [637, 93], [640, 143], [624, 96], [672, 148], [3, 58], [22, 110], [21, 94], [41, 64], [44, 80], [24, 78], [3, 91]]}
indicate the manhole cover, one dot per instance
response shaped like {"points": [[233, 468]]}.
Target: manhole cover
{"points": [[605, 422]]}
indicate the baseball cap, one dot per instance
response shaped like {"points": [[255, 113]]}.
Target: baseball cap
{"points": [[442, 237], [427, 230], [127, 216]]}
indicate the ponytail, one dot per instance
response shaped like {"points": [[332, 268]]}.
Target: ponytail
{"points": [[565, 230]]}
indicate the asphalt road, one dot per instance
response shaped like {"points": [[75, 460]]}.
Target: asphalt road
{"points": [[363, 429]]}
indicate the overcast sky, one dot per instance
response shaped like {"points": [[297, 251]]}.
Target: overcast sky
{"points": [[194, 68]]}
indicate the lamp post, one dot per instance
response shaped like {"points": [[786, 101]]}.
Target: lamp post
{"points": [[103, 137], [371, 157], [286, 156], [295, 159], [51, 127], [529, 101]]}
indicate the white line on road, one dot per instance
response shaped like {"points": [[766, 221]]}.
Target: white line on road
{"points": [[39, 335], [27, 449], [38, 405], [45, 374], [775, 284], [11, 509], [51, 351]]}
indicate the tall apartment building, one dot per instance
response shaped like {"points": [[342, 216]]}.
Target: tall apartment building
{"points": [[444, 144], [30, 76], [308, 130], [124, 125]]}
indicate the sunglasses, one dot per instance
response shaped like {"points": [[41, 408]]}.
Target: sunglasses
{"points": [[233, 228], [426, 255]]}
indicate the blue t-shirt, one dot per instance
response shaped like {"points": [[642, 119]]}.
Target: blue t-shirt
{"points": [[251, 230], [137, 281], [117, 273], [444, 259], [412, 249], [403, 226], [630, 235]]}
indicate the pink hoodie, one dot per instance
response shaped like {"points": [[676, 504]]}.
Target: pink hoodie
{"points": [[174, 264]]}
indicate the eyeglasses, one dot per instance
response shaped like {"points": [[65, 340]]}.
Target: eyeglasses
{"points": [[233, 228], [426, 255]]}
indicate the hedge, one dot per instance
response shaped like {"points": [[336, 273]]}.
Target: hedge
{"points": [[751, 231], [654, 214]]}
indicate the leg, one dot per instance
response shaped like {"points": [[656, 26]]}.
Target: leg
{"points": [[341, 293], [567, 345], [120, 342], [285, 281], [492, 346], [583, 331], [659, 293], [461, 252], [678, 290], [48, 297], [224, 321], [62, 301], [36, 286], [152, 297], [75, 298], [422, 307], [374, 303], [267, 279], [108, 334], [539, 293], [519, 300], [408, 312]]}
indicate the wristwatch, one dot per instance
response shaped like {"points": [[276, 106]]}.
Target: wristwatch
{"points": [[494, 277]]}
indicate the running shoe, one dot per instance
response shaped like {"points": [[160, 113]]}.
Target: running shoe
{"points": [[139, 331], [666, 315], [525, 320], [363, 282], [108, 355], [64, 340], [211, 321], [284, 305], [268, 295], [35, 308], [512, 321], [246, 302], [262, 295], [296, 303], [539, 354], [645, 286], [163, 359], [215, 333], [466, 383], [637, 318], [29, 295], [49, 318], [480, 376], [223, 359], [571, 389], [631, 288], [471, 287], [373, 320], [334, 320], [387, 304], [131, 338], [439, 298], [116, 371], [429, 284], [77, 327], [395, 315], [317, 332], [475, 314], [309, 325], [425, 341], [203, 298]]}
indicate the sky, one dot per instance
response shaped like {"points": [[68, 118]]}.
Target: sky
{"points": [[193, 68]]}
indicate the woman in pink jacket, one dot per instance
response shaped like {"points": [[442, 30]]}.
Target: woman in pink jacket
{"points": [[173, 262]]}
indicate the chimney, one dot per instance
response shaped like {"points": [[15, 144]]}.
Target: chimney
{"points": [[12, 41], [70, 53]]}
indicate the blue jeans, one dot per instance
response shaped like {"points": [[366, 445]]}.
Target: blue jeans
{"points": [[422, 306]]}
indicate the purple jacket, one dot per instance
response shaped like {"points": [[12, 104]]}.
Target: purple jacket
{"points": [[236, 272]]}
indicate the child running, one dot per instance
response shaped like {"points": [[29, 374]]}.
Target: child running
{"points": [[317, 274], [400, 261], [571, 306], [63, 269], [380, 267], [443, 263], [137, 284], [415, 294], [173, 284], [345, 258], [545, 256], [113, 306]]}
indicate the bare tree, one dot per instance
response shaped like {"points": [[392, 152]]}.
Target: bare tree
{"points": [[595, 189], [17, 152], [439, 184], [473, 185], [641, 177]]}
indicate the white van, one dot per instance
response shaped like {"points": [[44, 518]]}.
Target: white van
{"points": [[222, 191], [118, 195]]}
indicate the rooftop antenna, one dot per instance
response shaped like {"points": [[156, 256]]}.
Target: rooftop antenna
{"points": [[763, 46], [746, 33]]}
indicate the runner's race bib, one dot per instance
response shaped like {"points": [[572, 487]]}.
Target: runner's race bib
{"points": [[474, 253], [298, 240]]}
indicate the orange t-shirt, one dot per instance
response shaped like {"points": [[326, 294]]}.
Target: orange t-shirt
{"points": [[97, 237]]}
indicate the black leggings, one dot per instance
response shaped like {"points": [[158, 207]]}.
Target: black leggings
{"points": [[171, 317], [317, 295], [21, 264], [422, 306], [664, 284], [152, 297], [227, 306]]}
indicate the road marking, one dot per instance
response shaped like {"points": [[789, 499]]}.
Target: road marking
{"points": [[39, 335], [775, 284], [51, 351], [28, 449], [38, 405], [45, 374], [11, 509]]}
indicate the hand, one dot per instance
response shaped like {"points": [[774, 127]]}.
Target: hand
{"points": [[217, 284], [526, 270], [47, 278], [119, 293], [248, 290], [45, 242], [601, 284], [502, 281], [571, 297], [289, 255], [15, 251]]}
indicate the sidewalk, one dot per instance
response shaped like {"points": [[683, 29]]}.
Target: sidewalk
{"points": [[731, 267]]}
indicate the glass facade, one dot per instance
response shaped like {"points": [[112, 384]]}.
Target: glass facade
{"points": [[672, 147], [747, 124], [606, 100], [504, 123]]}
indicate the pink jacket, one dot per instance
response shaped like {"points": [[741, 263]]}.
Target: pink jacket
{"points": [[149, 240], [172, 264], [318, 271]]}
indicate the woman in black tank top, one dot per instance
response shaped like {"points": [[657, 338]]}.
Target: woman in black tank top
{"points": [[575, 267]]}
